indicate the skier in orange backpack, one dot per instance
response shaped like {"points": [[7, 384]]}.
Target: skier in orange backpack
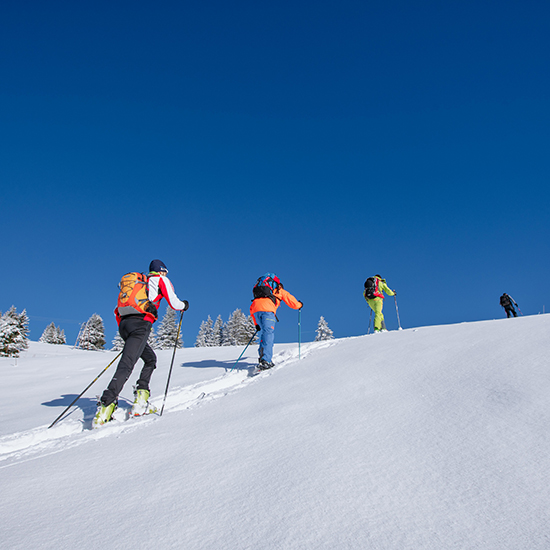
{"points": [[135, 313]]}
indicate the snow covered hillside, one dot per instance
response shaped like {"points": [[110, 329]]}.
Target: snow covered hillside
{"points": [[428, 438]]}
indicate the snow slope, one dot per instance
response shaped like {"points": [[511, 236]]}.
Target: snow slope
{"points": [[428, 438]]}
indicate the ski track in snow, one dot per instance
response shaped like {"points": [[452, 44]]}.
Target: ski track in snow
{"points": [[68, 433]]}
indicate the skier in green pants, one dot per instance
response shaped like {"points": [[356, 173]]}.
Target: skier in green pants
{"points": [[374, 295]]}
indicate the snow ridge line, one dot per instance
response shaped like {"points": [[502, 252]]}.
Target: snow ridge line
{"points": [[68, 433]]}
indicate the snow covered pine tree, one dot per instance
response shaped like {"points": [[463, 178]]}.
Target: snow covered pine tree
{"points": [[167, 331], [92, 336], [13, 332], [204, 335], [323, 331], [53, 335]]}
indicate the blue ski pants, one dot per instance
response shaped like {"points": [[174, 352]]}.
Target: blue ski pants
{"points": [[266, 320]]}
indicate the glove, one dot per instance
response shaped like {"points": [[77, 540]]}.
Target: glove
{"points": [[258, 328], [301, 305], [186, 305]]}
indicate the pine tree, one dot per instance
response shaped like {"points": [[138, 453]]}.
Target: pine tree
{"points": [[53, 335], [224, 335], [217, 332], [118, 343], [200, 341], [167, 331], [13, 333], [250, 329], [229, 331], [152, 338], [205, 335], [48, 336], [237, 330], [211, 336], [23, 322], [60, 336], [323, 331], [92, 336]]}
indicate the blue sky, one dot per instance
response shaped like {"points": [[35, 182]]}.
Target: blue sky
{"points": [[323, 141]]}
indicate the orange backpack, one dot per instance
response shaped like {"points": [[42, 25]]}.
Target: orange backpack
{"points": [[132, 298]]}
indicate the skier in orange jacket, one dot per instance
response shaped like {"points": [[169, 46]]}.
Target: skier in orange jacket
{"points": [[268, 295]]}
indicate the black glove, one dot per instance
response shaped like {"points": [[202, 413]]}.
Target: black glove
{"points": [[186, 305], [258, 328], [301, 305]]}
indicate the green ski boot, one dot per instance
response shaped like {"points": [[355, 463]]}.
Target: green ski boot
{"points": [[104, 414], [141, 404]]}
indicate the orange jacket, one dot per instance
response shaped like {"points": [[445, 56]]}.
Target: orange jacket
{"points": [[267, 304]]}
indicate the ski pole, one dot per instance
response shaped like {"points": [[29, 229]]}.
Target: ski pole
{"points": [[171, 363], [249, 342], [397, 311], [299, 333], [370, 319], [87, 387]]}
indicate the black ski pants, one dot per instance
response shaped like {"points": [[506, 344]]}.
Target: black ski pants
{"points": [[135, 332], [510, 311]]}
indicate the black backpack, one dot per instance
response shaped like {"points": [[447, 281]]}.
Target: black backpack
{"points": [[265, 285], [370, 288]]}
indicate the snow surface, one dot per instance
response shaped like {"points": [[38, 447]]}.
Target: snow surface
{"points": [[428, 438]]}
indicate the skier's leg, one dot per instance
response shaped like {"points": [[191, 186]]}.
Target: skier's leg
{"points": [[150, 359], [267, 322], [134, 332], [377, 305]]}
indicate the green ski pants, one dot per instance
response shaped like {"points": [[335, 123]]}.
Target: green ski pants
{"points": [[376, 304]]}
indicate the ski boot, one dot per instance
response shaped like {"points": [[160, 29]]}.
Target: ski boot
{"points": [[264, 365], [141, 404], [104, 414]]}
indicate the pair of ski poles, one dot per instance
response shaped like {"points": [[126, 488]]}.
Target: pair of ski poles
{"points": [[396, 311], [299, 341], [98, 376]]}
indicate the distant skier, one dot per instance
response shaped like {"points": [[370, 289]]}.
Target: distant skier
{"points": [[268, 294], [374, 295], [508, 303], [136, 311]]}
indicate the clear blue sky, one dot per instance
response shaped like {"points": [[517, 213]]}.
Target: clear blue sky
{"points": [[324, 141]]}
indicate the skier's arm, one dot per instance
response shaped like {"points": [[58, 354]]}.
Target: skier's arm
{"points": [[166, 289], [385, 288], [288, 299]]}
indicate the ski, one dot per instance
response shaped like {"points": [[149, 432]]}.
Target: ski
{"points": [[123, 414], [258, 370], [138, 410]]}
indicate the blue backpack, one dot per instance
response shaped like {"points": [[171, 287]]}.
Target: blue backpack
{"points": [[265, 285]]}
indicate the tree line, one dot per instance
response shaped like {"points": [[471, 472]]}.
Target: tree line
{"points": [[238, 330]]}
